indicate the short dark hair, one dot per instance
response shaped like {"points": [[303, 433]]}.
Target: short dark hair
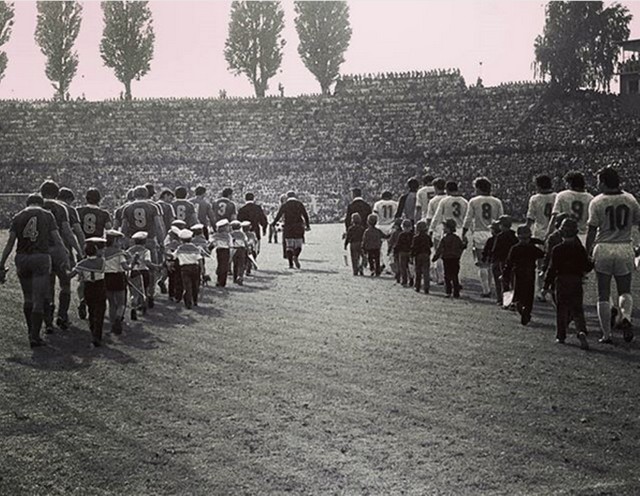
{"points": [[181, 192], [166, 192], [35, 199], [609, 177], [92, 196], [140, 193], [227, 192], [439, 183], [387, 195], [66, 195], [90, 249], [427, 179], [356, 191], [249, 196], [413, 184], [575, 180], [451, 186], [49, 189], [150, 189], [543, 181], [200, 190], [482, 184]]}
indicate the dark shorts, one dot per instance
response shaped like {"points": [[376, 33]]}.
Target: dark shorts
{"points": [[115, 281], [59, 261], [144, 274], [33, 265]]}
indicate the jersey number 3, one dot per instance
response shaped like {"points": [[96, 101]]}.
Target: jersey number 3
{"points": [[30, 231]]}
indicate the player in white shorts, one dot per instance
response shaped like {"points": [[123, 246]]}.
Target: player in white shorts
{"points": [[385, 209], [483, 209], [575, 201], [437, 267], [538, 217], [612, 216], [453, 206], [423, 196]]}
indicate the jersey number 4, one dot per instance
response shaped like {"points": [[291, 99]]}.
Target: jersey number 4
{"points": [[31, 230]]}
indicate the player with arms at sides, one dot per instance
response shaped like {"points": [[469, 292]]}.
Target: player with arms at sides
{"points": [[538, 219], [59, 258], [612, 216], [224, 207], [482, 210], [66, 197], [183, 208], [437, 268], [166, 207], [453, 206], [35, 231], [575, 201], [204, 211], [117, 215], [94, 221], [407, 202], [423, 195], [385, 209], [142, 216]]}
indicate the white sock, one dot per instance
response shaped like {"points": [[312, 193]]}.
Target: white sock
{"points": [[484, 280], [604, 316], [626, 305]]}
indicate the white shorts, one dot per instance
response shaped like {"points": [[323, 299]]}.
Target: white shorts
{"points": [[479, 239], [615, 259]]}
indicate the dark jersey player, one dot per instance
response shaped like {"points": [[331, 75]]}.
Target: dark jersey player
{"points": [[224, 207], [35, 230], [94, 220], [183, 208]]}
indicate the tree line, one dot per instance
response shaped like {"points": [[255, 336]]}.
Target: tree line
{"points": [[578, 47]]}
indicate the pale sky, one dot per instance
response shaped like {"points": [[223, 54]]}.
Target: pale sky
{"points": [[388, 35]]}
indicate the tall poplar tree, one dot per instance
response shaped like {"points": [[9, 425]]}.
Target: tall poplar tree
{"points": [[127, 40], [254, 43], [6, 23], [324, 32], [56, 32]]}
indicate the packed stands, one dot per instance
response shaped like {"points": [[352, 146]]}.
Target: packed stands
{"points": [[374, 132]]}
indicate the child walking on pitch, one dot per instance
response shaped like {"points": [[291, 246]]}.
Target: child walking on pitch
{"points": [[450, 250], [115, 279], [421, 253], [188, 257], [140, 277], [221, 242], [353, 240], [487, 260], [569, 264], [239, 247], [521, 265], [372, 244], [91, 272], [403, 251]]}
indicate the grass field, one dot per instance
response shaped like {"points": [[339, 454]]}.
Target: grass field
{"points": [[318, 382]]}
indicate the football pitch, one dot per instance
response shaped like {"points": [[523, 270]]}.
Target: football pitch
{"points": [[314, 381]]}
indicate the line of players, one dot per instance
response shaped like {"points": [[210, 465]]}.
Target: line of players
{"points": [[147, 243], [601, 228]]}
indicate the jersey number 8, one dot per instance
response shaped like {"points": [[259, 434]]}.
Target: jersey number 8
{"points": [[487, 211], [140, 217], [89, 224]]}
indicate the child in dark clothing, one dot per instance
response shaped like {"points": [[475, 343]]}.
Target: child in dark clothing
{"points": [[403, 251], [504, 241], [372, 243], [487, 259], [569, 264], [521, 265], [450, 250], [354, 238], [393, 241], [421, 253]]}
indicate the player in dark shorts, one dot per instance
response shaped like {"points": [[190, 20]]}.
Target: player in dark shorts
{"points": [[35, 230], [60, 266], [142, 215], [184, 209]]}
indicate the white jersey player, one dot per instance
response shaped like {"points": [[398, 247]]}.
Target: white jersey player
{"points": [[423, 196], [575, 201], [612, 217], [453, 206], [385, 209], [483, 209], [437, 267]]}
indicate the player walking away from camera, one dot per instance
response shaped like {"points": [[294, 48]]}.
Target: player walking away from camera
{"points": [[296, 222], [357, 206], [482, 210], [166, 208], [117, 215], [183, 208], [437, 268], [66, 197], [568, 266], [254, 213], [204, 210], [453, 206], [385, 209], [538, 219], [142, 216], [407, 203], [575, 201], [612, 216], [224, 207], [423, 195], [35, 231], [59, 258], [94, 221]]}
